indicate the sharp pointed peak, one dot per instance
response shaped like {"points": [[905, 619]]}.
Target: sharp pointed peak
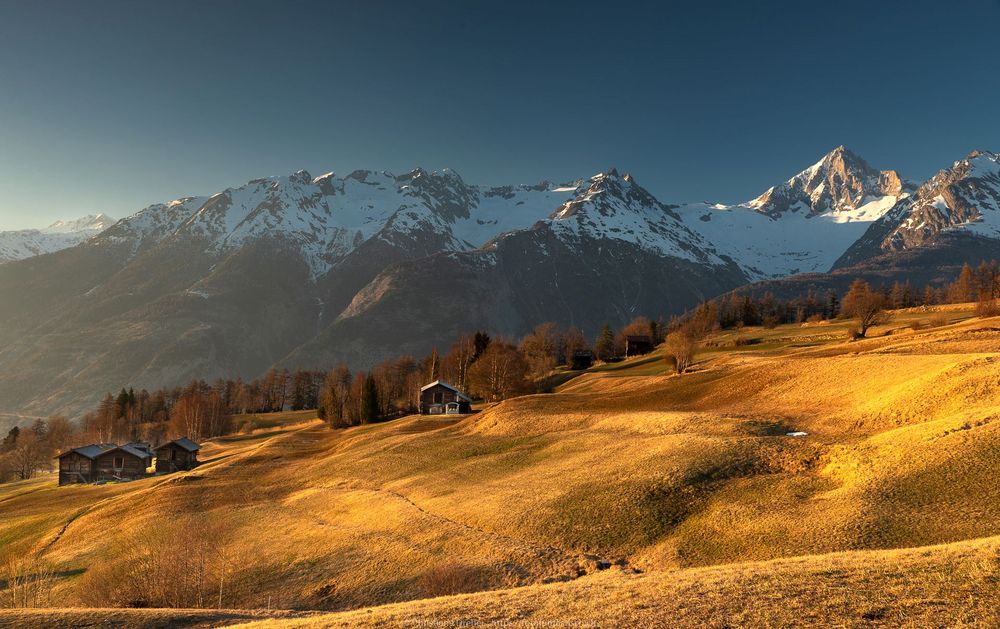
{"points": [[301, 176], [612, 174]]}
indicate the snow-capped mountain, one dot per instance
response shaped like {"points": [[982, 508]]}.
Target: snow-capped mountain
{"points": [[840, 182], [26, 243], [962, 199], [610, 252], [328, 217], [614, 207], [94, 223], [804, 224]]}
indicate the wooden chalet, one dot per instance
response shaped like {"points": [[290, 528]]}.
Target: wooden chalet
{"points": [[638, 345], [176, 456], [581, 359], [103, 462], [440, 398]]}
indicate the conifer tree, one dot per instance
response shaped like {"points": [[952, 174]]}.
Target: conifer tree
{"points": [[964, 288], [480, 342], [369, 400], [605, 345]]}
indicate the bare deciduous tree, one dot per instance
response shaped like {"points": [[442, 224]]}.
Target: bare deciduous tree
{"points": [[541, 348], [864, 304], [680, 347], [499, 373]]}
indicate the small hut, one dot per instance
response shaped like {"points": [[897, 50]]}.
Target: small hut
{"points": [[177, 455], [440, 398], [582, 359], [638, 345]]}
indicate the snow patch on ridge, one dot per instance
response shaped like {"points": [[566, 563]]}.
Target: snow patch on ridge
{"points": [[27, 243]]}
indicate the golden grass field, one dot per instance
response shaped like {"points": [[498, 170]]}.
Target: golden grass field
{"points": [[687, 490]]}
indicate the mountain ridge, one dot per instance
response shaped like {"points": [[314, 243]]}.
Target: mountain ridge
{"points": [[27, 243], [305, 271]]}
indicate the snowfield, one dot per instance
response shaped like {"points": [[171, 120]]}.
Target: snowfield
{"points": [[796, 242]]}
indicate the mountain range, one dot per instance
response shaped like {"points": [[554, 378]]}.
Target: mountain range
{"points": [[26, 243], [303, 271]]}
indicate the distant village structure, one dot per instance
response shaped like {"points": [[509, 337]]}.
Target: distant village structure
{"points": [[100, 462], [638, 345], [441, 398], [582, 359]]}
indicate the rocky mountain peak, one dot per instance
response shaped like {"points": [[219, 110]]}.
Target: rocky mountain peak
{"points": [[301, 177], [840, 181], [964, 197]]}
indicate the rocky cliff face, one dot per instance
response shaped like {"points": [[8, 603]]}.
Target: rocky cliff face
{"points": [[841, 181], [965, 197]]}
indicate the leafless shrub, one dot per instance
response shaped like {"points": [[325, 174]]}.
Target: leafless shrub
{"points": [[185, 564], [25, 581], [937, 321], [450, 578], [987, 307]]}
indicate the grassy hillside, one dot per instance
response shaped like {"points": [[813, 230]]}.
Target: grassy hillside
{"points": [[953, 585], [688, 487]]}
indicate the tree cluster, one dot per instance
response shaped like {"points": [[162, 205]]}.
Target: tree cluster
{"points": [[734, 310], [24, 452]]}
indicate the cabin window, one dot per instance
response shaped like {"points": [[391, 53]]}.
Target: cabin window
{"points": [[173, 454], [119, 462], [438, 397]]}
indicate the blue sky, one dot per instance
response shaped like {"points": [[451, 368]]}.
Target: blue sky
{"points": [[112, 105]]}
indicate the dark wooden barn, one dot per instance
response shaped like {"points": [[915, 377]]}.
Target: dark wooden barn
{"points": [[638, 345], [77, 465], [582, 359], [440, 398], [176, 456], [103, 462]]}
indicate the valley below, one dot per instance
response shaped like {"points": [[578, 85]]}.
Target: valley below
{"points": [[800, 479]]}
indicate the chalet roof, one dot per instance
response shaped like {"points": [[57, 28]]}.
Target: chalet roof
{"points": [[91, 452], [183, 442], [140, 445], [444, 384], [133, 450]]}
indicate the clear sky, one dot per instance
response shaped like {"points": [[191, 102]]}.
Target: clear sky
{"points": [[113, 105]]}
